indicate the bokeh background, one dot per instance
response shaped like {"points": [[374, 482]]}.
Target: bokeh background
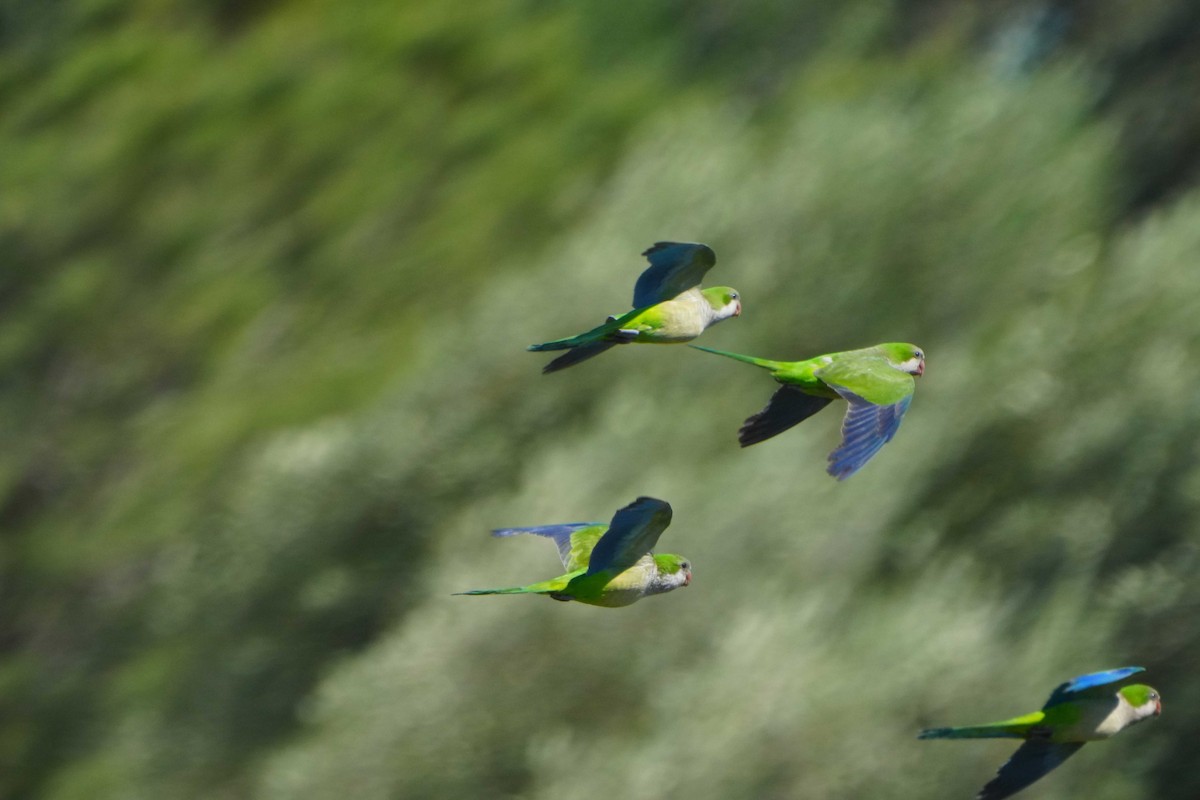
{"points": [[267, 270]]}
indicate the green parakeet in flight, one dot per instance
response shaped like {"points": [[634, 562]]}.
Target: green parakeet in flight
{"points": [[1081, 710], [609, 565], [877, 383], [668, 306]]}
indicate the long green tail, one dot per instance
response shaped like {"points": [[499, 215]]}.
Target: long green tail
{"points": [[512, 590], [564, 344], [598, 334], [758, 362], [544, 587], [1013, 728], [996, 730]]}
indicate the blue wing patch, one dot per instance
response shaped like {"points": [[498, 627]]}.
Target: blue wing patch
{"points": [[633, 532], [865, 429], [1090, 681], [1031, 761], [561, 534], [674, 268]]}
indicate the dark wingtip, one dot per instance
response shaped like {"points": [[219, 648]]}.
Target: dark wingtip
{"points": [[747, 438], [841, 473], [562, 362], [752, 433], [576, 354]]}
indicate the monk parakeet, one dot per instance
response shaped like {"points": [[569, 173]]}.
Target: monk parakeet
{"points": [[609, 565], [877, 382], [668, 306], [1081, 710]]}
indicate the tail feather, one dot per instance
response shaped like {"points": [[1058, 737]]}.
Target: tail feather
{"points": [[557, 344], [544, 587], [994, 731], [758, 362], [510, 590], [599, 333], [577, 354]]}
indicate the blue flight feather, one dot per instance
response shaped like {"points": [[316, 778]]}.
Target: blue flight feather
{"points": [[1090, 681], [674, 268], [633, 532], [865, 429]]}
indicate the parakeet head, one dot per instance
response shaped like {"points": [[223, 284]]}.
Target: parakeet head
{"points": [[726, 302], [1145, 701], [673, 571], [905, 357]]}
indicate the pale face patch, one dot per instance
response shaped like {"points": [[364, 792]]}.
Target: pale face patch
{"points": [[913, 366], [1125, 714], [665, 582]]}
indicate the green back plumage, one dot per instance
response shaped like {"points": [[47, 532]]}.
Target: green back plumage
{"points": [[868, 373], [582, 543]]}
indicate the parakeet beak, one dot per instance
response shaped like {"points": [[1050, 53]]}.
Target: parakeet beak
{"points": [[687, 578], [920, 369], [1157, 706], [737, 312]]}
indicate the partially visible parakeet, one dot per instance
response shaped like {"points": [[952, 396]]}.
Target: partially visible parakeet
{"points": [[609, 565], [877, 382], [1081, 710], [668, 306]]}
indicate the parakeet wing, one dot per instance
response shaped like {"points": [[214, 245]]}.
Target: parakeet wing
{"points": [[674, 268], [577, 354], [787, 407], [633, 532], [865, 429], [1031, 761], [575, 540], [870, 377], [1076, 686]]}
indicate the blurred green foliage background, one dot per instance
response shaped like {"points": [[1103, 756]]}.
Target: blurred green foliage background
{"points": [[266, 274]]}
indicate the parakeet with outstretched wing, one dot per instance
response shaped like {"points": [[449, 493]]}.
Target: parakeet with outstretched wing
{"points": [[1081, 710], [668, 306], [608, 565], [876, 382]]}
